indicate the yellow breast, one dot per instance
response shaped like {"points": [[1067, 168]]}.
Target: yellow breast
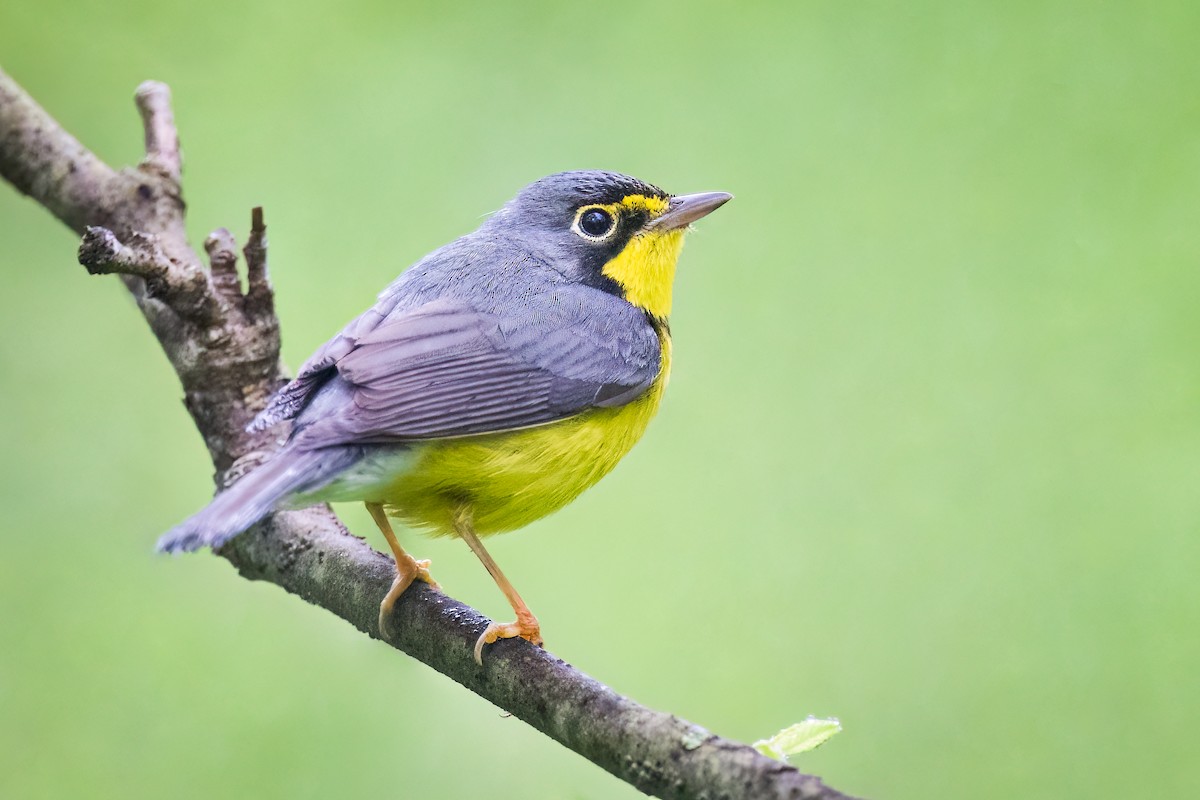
{"points": [[511, 479]]}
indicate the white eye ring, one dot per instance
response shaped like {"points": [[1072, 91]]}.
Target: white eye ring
{"points": [[588, 228]]}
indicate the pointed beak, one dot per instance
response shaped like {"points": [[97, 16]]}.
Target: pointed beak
{"points": [[685, 209]]}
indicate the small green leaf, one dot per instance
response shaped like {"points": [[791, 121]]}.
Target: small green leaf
{"points": [[799, 738]]}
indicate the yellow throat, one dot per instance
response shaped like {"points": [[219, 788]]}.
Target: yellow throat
{"points": [[645, 267]]}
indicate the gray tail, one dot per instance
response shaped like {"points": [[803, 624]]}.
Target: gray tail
{"points": [[289, 471]]}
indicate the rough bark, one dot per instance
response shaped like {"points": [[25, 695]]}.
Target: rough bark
{"points": [[224, 345]]}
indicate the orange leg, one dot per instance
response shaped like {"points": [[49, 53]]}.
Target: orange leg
{"points": [[408, 568], [526, 625]]}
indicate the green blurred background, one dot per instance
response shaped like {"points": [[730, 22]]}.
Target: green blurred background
{"points": [[928, 463]]}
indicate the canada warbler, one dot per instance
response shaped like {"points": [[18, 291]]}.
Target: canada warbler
{"points": [[492, 382]]}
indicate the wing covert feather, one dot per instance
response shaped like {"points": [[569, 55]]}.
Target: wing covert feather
{"points": [[448, 369]]}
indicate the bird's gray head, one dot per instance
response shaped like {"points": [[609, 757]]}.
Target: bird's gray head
{"points": [[606, 230]]}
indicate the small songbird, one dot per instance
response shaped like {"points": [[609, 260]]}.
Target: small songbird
{"points": [[494, 381]]}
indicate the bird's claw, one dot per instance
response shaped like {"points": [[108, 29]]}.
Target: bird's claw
{"points": [[526, 627], [415, 570]]}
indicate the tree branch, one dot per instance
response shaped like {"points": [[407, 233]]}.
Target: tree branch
{"points": [[153, 101], [224, 345], [42, 160]]}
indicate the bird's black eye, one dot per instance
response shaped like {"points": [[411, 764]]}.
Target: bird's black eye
{"points": [[596, 223]]}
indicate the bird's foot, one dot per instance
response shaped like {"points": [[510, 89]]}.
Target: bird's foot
{"points": [[407, 571], [526, 627]]}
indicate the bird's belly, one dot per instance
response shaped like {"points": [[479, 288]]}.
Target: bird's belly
{"points": [[508, 480]]}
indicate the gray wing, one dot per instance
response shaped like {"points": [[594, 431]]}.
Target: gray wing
{"points": [[448, 369], [289, 401]]}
